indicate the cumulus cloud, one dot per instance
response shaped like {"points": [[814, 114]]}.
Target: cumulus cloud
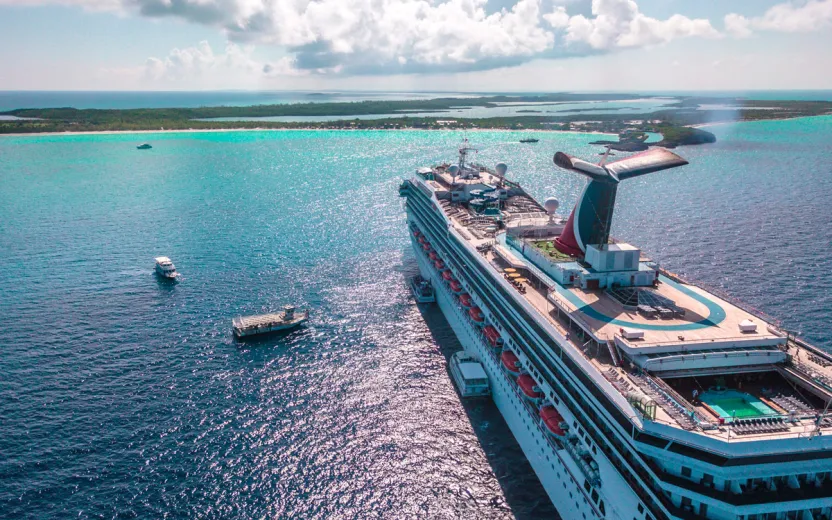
{"points": [[786, 17], [619, 23], [405, 36], [201, 61]]}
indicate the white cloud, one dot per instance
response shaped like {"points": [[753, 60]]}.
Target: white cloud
{"points": [[405, 36], [737, 25], [201, 61], [786, 17], [619, 23]]}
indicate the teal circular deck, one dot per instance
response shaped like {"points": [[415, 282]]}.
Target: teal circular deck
{"points": [[716, 314]]}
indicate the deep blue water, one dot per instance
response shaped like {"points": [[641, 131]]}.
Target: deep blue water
{"points": [[122, 396]]}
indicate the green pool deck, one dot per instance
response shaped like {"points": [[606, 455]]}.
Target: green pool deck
{"points": [[733, 403]]}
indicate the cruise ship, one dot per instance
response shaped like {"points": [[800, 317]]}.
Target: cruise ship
{"points": [[634, 394]]}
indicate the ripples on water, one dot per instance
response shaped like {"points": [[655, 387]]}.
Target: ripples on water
{"points": [[123, 396]]}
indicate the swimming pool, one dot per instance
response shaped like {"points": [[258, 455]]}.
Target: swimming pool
{"points": [[732, 403]]}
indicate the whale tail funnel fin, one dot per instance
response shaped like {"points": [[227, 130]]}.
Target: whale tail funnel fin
{"points": [[590, 221]]}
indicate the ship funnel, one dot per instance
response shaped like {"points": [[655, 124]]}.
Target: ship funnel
{"points": [[590, 221]]}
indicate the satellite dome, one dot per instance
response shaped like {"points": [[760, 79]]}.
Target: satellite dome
{"points": [[551, 205], [453, 170], [502, 168]]}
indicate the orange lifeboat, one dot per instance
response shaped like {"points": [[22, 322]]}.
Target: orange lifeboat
{"points": [[465, 299], [456, 287], [552, 419], [416, 233], [510, 362], [422, 239], [447, 276], [493, 336], [432, 255], [439, 264], [476, 314], [528, 386], [426, 246]]}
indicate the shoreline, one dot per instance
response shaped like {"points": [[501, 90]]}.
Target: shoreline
{"points": [[305, 129], [718, 123]]}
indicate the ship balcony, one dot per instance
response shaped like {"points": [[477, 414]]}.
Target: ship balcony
{"points": [[760, 494]]}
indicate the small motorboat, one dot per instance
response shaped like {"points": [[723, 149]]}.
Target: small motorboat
{"points": [[529, 140], [144, 146], [422, 290]]}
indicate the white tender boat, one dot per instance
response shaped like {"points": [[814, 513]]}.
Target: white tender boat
{"points": [[264, 323], [468, 375], [165, 268]]}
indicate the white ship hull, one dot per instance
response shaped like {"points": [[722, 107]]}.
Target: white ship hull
{"points": [[562, 483]]}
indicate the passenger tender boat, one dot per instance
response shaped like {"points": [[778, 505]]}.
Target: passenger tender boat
{"points": [[422, 290], [244, 326], [165, 268], [633, 392], [468, 375], [144, 146]]}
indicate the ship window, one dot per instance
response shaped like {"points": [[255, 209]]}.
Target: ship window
{"points": [[640, 508], [601, 508], [587, 486], [594, 496], [686, 471]]}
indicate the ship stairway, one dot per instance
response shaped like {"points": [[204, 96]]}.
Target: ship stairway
{"points": [[613, 353]]}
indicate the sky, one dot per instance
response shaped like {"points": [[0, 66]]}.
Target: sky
{"points": [[440, 45]]}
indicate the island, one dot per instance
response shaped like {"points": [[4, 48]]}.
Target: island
{"points": [[676, 119]]}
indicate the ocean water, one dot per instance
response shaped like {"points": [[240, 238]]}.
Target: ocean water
{"points": [[123, 396], [12, 99]]}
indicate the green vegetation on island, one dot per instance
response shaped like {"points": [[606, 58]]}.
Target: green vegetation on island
{"points": [[675, 122]]}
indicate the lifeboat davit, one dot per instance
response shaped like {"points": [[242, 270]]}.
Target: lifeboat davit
{"points": [[439, 264], [493, 336], [456, 287], [510, 362], [465, 299], [528, 386], [552, 419], [447, 276], [432, 255], [476, 314]]}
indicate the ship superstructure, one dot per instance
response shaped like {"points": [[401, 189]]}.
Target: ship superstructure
{"points": [[633, 392]]}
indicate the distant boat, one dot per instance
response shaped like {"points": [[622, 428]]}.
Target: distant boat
{"points": [[529, 140], [165, 268], [144, 146]]}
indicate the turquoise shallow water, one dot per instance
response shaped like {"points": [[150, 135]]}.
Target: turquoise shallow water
{"points": [[123, 396]]}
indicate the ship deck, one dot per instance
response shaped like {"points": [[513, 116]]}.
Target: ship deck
{"points": [[707, 318]]}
